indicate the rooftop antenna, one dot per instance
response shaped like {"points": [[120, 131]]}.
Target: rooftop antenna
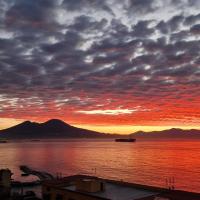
{"points": [[59, 175], [95, 170], [170, 183], [166, 182]]}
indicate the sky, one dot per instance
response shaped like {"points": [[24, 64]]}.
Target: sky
{"points": [[112, 66]]}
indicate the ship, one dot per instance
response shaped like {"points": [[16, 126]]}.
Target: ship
{"points": [[125, 140], [3, 141]]}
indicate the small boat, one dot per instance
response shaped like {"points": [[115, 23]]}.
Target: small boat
{"points": [[3, 141], [24, 174], [35, 140], [125, 140], [29, 184]]}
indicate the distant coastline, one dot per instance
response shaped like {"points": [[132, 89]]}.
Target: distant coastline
{"points": [[57, 129]]}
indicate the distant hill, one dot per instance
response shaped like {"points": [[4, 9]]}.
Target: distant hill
{"points": [[173, 133], [53, 128]]}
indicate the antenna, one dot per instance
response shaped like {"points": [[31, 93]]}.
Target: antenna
{"points": [[173, 183], [170, 183], [59, 175], [166, 181], [95, 170]]}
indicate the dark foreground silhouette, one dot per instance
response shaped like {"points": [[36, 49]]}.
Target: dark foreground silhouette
{"points": [[55, 128]]}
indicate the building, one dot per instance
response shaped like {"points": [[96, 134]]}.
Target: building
{"points": [[81, 187], [5, 183], [5, 178]]}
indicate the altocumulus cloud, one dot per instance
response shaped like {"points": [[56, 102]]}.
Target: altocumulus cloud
{"points": [[110, 112], [100, 55]]}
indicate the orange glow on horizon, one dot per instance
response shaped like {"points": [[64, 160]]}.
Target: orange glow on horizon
{"points": [[119, 129], [127, 129]]}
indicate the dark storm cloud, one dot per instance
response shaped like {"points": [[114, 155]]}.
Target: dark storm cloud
{"points": [[23, 12], [195, 29], [192, 19], [141, 6], [77, 5], [179, 36], [66, 47], [141, 29], [171, 25], [71, 39], [85, 23]]}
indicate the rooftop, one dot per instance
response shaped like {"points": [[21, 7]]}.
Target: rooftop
{"points": [[118, 192]]}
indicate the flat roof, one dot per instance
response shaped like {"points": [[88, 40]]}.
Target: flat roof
{"points": [[116, 191]]}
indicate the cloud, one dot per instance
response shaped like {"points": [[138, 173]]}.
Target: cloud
{"points": [[23, 13], [78, 5], [107, 112], [141, 6], [195, 29], [131, 53]]}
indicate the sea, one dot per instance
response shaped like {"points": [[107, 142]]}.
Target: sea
{"points": [[160, 163]]}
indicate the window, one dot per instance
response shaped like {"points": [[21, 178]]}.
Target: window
{"points": [[102, 187], [46, 196], [59, 197]]}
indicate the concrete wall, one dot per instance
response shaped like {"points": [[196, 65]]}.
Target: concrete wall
{"points": [[89, 185], [5, 178], [67, 195]]}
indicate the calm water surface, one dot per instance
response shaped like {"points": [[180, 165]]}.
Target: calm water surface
{"points": [[144, 162]]}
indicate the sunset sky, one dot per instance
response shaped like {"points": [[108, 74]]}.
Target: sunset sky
{"points": [[107, 65]]}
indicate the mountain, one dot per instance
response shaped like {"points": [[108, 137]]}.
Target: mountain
{"points": [[173, 133], [53, 128], [56, 128]]}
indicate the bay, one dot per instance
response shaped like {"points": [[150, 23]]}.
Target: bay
{"points": [[143, 162]]}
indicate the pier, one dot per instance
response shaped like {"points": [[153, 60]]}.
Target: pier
{"points": [[96, 188], [40, 174]]}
